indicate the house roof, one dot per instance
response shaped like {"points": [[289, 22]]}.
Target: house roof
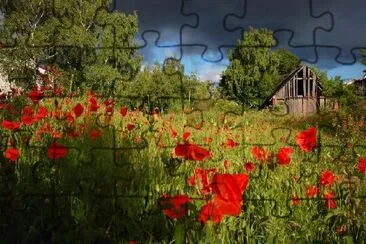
{"points": [[268, 99]]}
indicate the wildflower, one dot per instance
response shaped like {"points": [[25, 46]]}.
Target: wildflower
{"points": [[361, 165], [228, 201], [57, 151], [186, 135], [229, 186], [12, 154], [10, 125], [123, 111], [306, 140], [174, 207], [230, 143], [36, 95], [249, 167], [42, 113], [329, 197], [78, 110], [259, 153], [311, 191], [130, 127], [295, 200], [191, 152], [27, 120], [283, 156], [327, 178]]}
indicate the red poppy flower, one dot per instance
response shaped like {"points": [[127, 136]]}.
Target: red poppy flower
{"points": [[329, 197], [130, 127], [36, 96], [311, 191], [327, 178], [284, 155], [198, 153], [27, 120], [78, 110], [42, 113], [230, 143], [191, 152], [175, 207], [210, 212], [69, 117], [28, 111], [306, 140], [12, 154], [57, 151], [259, 153], [249, 167], [216, 209], [123, 111], [93, 104], [186, 135], [361, 165], [10, 125], [230, 186], [295, 200], [95, 134]]}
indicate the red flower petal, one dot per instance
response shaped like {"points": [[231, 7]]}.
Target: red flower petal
{"points": [[10, 125], [361, 165], [283, 156], [78, 110], [57, 151], [327, 178], [12, 154], [123, 111], [306, 140], [175, 207]]}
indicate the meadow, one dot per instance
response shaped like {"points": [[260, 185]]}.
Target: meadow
{"points": [[94, 170]]}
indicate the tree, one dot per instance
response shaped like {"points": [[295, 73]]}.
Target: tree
{"points": [[83, 38], [164, 86], [252, 72], [288, 62]]}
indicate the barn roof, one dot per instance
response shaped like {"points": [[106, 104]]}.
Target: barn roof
{"points": [[288, 78]]}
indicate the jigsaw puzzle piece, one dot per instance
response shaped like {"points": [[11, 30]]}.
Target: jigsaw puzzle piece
{"points": [[197, 35], [170, 12], [280, 19], [343, 29]]}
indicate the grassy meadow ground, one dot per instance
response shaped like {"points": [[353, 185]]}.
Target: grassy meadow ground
{"points": [[82, 176]]}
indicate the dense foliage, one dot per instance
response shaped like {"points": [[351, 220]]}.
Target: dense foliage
{"points": [[93, 46]]}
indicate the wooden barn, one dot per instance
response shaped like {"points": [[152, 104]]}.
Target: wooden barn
{"points": [[300, 93]]}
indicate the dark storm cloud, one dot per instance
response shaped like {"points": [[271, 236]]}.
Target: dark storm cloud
{"points": [[334, 25]]}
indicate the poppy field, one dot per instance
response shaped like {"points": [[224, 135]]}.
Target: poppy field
{"points": [[89, 169]]}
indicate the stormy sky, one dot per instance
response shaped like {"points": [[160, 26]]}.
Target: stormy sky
{"points": [[328, 34]]}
